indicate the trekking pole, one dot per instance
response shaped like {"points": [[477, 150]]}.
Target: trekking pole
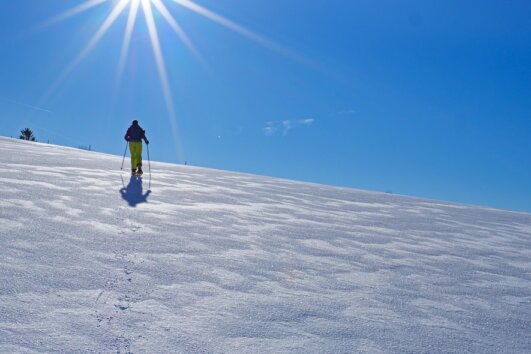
{"points": [[149, 165], [125, 151]]}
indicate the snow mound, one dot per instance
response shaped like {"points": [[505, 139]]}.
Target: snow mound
{"points": [[197, 260]]}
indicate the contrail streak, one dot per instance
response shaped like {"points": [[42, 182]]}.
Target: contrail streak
{"points": [[26, 105]]}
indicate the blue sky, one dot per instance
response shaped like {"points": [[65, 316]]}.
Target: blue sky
{"points": [[423, 98]]}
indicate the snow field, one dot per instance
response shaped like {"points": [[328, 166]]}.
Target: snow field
{"points": [[196, 260]]}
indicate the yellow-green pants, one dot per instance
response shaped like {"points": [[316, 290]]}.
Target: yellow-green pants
{"points": [[136, 153]]}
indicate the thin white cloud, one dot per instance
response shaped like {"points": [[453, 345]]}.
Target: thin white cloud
{"points": [[270, 129], [307, 121], [285, 126]]}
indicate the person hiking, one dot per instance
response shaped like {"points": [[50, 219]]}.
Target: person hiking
{"points": [[134, 136]]}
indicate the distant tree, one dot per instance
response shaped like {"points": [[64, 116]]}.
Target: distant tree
{"points": [[27, 134]]}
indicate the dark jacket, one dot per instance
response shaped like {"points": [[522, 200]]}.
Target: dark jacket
{"points": [[136, 133]]}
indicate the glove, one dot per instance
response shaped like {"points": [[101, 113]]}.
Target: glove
{"points": [[147, 142]]}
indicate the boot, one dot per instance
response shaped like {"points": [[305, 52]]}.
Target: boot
{"points": [[133, 172], [139, 171]]}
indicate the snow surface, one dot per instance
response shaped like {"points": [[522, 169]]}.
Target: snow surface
{"points": [[218, 262]]}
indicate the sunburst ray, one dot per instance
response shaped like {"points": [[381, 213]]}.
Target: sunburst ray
{"points": [[71, 13], [163, 75], [116, 11], [177, 29], [131, 20], [225, 22]]}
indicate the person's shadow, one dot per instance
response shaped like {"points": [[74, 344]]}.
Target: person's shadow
{"points": [[133, 192]]}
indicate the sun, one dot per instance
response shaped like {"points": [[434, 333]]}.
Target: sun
{"points": [[147, 7], [134, 9]]}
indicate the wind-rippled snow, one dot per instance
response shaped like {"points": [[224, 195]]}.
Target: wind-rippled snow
{"points": [[206, 261]]}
